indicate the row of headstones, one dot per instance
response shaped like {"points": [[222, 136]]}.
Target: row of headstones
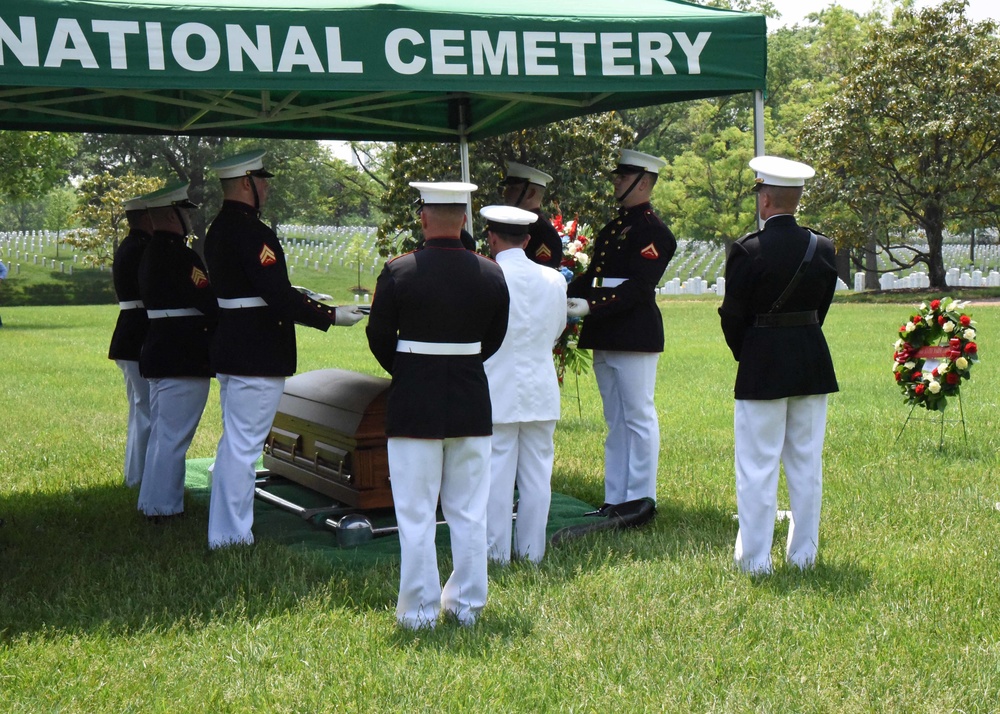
{"points": [[953, 277], [63, 268]]}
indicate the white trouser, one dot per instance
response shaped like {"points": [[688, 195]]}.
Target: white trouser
{"points": [[137, 436], [522, 451], [248, 408], [632, 448], [176, 405], [457, 470], [768, 431]]}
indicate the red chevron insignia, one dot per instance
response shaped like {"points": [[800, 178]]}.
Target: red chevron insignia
{"points": [[199, 278], [267, 256], [650, 252]]}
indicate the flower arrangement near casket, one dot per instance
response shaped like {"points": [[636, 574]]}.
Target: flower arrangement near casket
{"points": [[566, 354], [935, 353]]}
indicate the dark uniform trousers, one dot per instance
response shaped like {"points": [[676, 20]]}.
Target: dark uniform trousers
{"points": [[252, 352], [625, 331], [126, 344], [785, 374], [181, 307], [437, 315]]}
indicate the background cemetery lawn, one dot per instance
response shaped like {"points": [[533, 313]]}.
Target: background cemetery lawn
{"points": [[100, 611]]}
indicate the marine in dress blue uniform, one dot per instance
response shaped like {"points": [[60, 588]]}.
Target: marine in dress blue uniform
{"points": [[130, 331], [253, 348], [624, 328], [437, 314], [176, 292], [524, 187], [785, 369]]}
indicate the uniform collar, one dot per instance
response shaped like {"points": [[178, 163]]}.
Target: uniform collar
{"points": [[239, 206], [511, 254], [449, 242], [783, 219], [637, 208]]}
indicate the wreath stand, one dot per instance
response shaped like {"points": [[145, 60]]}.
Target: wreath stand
{"points": [[942, 420]]}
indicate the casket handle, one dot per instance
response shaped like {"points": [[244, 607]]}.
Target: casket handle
{"points": [[334, 465], [287, 442]]}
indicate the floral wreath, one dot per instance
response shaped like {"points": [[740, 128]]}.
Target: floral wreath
{"points": [[935, 353]]}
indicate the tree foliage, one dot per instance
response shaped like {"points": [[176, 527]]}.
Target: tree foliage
{"points": [[34, 162], [913, 133], [101, 214], [578, 153]]}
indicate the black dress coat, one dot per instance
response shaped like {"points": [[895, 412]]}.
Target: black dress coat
{"points": [[636, 246], [130, 329], [172, 277], [245, 259], [778, 362], [444, 294]]}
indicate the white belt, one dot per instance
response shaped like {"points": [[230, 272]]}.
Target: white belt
{"points": [[608, 282], [179, 312], [130, 304], [439, 348], [238, 303]]}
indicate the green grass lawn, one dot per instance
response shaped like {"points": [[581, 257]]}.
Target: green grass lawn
{"points": [[102, 612]]}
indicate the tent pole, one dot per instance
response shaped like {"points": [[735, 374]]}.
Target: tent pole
{"points": [[758, 133], [463, 145]]}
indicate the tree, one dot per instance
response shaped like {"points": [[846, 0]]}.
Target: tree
{"points": [[577, 152], [101, 214], [913, 132], [34, 162]]}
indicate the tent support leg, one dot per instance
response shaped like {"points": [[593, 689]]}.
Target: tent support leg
{"points": [[758, 133]]}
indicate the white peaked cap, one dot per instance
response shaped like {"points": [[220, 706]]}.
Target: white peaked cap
{"points": [[244, 164], [173, 195], [508, 219], [647, 162], [445, 192], [135, 204], [527, 173], [776, 171]]}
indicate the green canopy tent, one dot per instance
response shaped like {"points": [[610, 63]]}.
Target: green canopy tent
{"points": [[428, 70]]}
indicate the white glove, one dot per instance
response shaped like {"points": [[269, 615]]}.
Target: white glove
{"points": [[577, 307], [348, 315]]}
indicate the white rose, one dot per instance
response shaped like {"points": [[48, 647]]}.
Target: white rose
{"points": [[583, 259], [948, 327], [899, 344], [962, 363], [910, 327], [929, 319], [910, 365], [933, 387], [969, 334]]}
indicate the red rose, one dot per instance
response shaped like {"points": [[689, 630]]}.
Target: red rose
{"points": [[919, 389], [935, 304], [954, 354], [940, 319], [934, 372], [899, 376], [952, 378], [965, 320], [971, 349], [955, 342]]}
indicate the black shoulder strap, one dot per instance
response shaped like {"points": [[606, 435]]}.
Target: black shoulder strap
{"points": [[806, 259]]}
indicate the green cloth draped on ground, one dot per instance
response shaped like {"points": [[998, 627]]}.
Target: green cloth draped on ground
{"points": [[276, 525]]}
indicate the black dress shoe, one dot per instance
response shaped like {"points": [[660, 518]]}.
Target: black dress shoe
{"points": [[601, 512]]}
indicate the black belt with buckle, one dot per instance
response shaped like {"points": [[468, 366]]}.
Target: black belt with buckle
{"points": [[786, 319]]}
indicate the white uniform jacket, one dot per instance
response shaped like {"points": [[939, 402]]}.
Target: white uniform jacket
{"points": [[523, 384]]}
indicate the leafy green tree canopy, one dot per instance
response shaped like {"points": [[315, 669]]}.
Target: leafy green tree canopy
{"points": [[913, 131]]}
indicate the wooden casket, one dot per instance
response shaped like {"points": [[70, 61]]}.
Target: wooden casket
{"points": [[329, 436]]}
